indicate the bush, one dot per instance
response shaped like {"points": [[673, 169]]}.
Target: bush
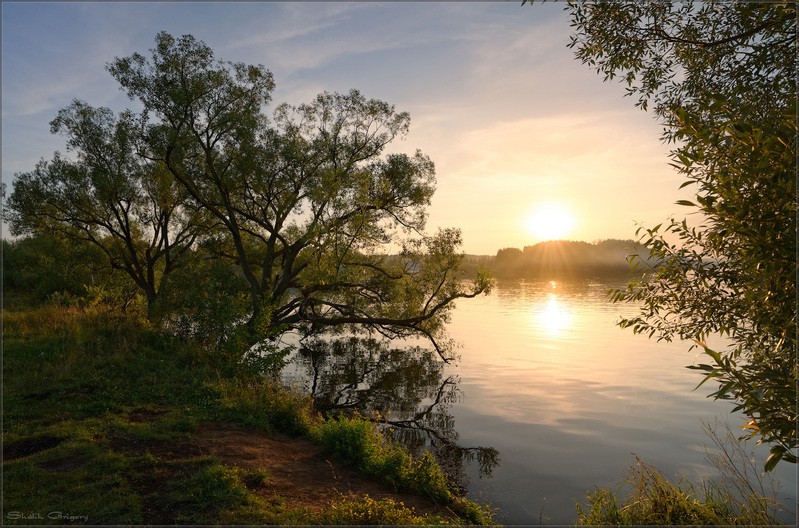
{"points": [[41, 268], [263, 404], [357, 441], [203, 300]]}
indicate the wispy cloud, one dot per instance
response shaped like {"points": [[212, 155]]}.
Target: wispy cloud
{"points": [[343, 32], [496, 98], [287, 22]]}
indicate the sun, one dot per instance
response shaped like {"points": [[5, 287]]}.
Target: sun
{"points": [[550, 221]]}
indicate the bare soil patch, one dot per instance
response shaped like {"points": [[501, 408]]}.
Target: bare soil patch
{"points": [[299, 472]]}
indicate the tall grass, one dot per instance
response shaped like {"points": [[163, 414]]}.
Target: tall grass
{"points": [[739, 496], [742, 482], [654, 499]]}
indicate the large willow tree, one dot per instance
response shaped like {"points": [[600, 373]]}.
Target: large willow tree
{"points": [[326, 230], [721, 77]]}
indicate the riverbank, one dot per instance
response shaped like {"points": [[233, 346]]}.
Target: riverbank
{"points": [[107, 421]]}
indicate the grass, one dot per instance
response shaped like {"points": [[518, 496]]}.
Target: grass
{"points": [[367, 511], [358, 442], [653, 499], [99, 409]]}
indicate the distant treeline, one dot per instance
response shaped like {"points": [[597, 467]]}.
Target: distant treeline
{"points": [[562, 259]]}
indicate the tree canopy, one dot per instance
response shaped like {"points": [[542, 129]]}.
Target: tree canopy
{"points": [[107, 195], [721, 77], [567, 259], [325, 230]]}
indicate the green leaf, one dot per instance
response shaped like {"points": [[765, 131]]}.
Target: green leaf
{"points": [[684, 159], [776, 455], [734, 273], [709, 376], [715, 355]]}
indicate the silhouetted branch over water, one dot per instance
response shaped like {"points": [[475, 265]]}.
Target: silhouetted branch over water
{"points": [[403, 388]]}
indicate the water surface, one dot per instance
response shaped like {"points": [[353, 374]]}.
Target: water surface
{"points": [[549, 399]]}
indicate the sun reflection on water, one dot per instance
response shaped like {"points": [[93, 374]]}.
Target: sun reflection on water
{"points": [[552, 316]]}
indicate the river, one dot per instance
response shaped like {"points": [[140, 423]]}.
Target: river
{"points": [[548, 400]]}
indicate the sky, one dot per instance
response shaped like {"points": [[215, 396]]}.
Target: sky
{"points": [[529, 143]]}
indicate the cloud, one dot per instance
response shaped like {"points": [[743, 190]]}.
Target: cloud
{"points": [[286, 22], [496, 98], [48, 61], [291, 37]]}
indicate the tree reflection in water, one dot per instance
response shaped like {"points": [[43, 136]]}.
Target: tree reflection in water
{"points": [[402, 388]]}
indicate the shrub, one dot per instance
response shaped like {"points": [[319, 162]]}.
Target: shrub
{"points": [[264, 404]]}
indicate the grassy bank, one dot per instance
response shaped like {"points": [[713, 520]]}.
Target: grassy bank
{"points": [[649, 497], [100, 410]]}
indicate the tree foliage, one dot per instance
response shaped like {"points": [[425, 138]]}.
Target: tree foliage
{"points": [[721, 77], [41, 268], [106, 195], [325, 230], [567, 259]]}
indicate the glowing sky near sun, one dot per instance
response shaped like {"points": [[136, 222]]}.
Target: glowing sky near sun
{"points": [[550, 221], [496, 99]]}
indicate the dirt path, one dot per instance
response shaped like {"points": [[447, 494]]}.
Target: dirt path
{"points": [[300, 473]]}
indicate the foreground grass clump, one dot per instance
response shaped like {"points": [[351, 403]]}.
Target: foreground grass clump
{"points": [[653, 499], [100, 412], [358, 442], [367, 511]]}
